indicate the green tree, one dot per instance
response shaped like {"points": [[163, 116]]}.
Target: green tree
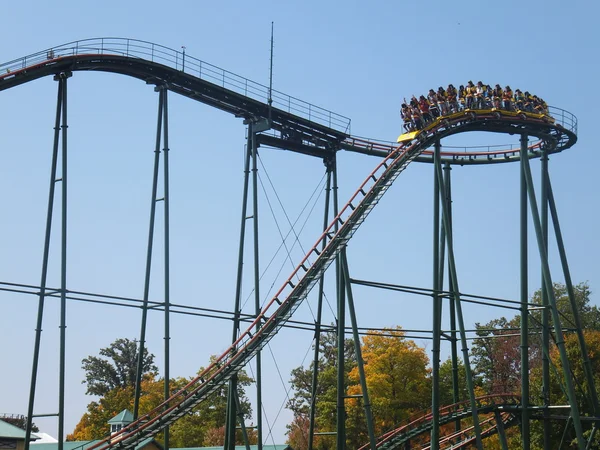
{"points": [[397, 375], [202, 426], [19, 421], [588, 313], [496, 350], [326, 395], [557, 389], [497, 356], [446, 383], [116, 368]]}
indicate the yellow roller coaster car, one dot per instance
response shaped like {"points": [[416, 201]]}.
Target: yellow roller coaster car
{"points": [[494, 113]]}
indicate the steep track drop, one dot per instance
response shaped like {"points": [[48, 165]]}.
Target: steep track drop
{"points": [[275, 314]]}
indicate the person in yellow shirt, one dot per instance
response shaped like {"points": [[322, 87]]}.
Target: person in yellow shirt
{"points": [[469, 94]]}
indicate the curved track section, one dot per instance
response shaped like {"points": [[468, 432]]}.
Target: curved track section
{"points": [[418, 427], [280, 308], [299, 126], [555, 133]]}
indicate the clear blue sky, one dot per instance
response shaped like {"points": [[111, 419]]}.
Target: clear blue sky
{"points": [[356, 58]]}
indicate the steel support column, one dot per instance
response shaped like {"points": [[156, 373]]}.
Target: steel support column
{"points": [[452, 305], [63, 267], [241, 419], [458, 304], [547, 427], [252, 140], [45, 257], [560, 343], [167, 394], [437, 306], [359, 359], [142, 343], [341, 325], [329, 164], [501, 431], [525, 429], [231, 403]]}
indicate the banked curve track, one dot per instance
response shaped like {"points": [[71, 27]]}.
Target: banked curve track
{"points": [[281, 307], [500, 408]]}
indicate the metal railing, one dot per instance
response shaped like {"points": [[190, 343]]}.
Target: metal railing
{"points": [[179, 60]]}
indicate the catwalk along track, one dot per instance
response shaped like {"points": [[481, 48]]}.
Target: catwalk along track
{"points": [[288, 123]]}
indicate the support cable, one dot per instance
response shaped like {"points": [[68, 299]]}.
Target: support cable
{"points": [[289, 232], [287, 389]]}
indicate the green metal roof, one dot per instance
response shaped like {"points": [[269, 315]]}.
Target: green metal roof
{"points": [[83, 445], [124, 416], [68, 445], [10, 431], [242, 447]]}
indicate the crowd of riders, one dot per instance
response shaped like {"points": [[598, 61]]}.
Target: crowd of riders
{"points": [[419, 112]]}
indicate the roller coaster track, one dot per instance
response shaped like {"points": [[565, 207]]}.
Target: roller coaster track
{"points": [[319, 131], [417, 426]]}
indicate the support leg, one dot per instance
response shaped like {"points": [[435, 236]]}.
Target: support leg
{"points": [[252, 137], [359, 360], [525, 429], [231, 404], [560, 342], [437, 320], [315, 375], [456, 292], [167, 392], [63, 269], [42, 294], [142, 343]]}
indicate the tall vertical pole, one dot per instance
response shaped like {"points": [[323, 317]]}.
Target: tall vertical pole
{"points": [[525, 428], [231, 404], [252, 136], [140, 361], [452, 306], [315, 374], [458, 304], [341, 325], [167, 305], [42, 294], [559, 337], [359, 359], [63, 269], [437, 320], [547, 427], [270, 99]]}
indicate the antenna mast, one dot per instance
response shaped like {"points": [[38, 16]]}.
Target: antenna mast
{"points": [[270, 101]]}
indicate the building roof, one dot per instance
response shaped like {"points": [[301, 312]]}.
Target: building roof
{"points": [[44, 438], [10, 431], [242, 447], [84, 445], [124, 416]]}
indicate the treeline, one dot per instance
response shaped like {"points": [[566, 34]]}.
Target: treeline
{"points": [[398, 377], [112, 378]]}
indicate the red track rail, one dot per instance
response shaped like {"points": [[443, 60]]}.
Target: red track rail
{"points": [[421, 420]]}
